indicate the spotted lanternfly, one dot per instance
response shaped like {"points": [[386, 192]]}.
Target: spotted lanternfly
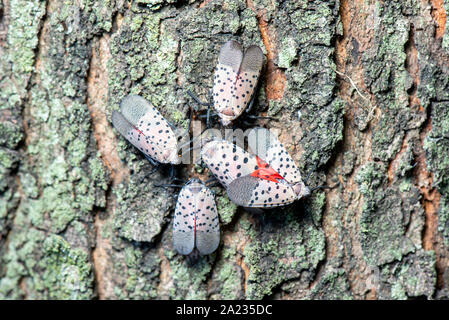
{"points": [[228, 161], [196, 220], [235, 80], [144, 126], [267, 179]]}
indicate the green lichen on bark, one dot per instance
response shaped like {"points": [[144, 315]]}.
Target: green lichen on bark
{"points": [[284, 246], [144, 53], [333, 285], [306, 33], [434, 94], [9, 161], [67, 272], [25, 17], [67, 180], [142, 209], [158, 50], [415, 276], [385, 216], [445, 42], [16, 63], [392, 220], [388, 79], [228, 277], [437, 147], [189, 278], [140, 268], [225, 207], [199, 35]]}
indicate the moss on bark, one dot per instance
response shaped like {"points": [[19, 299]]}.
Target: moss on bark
{"points": [[64, 213]]}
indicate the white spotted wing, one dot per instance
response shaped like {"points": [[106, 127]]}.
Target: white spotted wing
{"points": [[144, 126], [250, 191], [227, 161], [266, 145], [196, 221], [184, 221], [207, 236], [235, 79]]}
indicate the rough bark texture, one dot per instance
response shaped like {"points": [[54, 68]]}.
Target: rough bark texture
{"points": [[361, 90]]}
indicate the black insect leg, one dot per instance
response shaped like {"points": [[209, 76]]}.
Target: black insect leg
{"points": [[209, 114], [211, 103], [256, 211], [189, 128], [174, 128], [179, 180], [251, 103], [249, 108], [306, 181], [186, 135], [197, 100], [325, 187], [212, 182], [251, 116], [172, 179], [168, 185], [206, 104], [172, 174], [188, 143], [208, 117], [152, 161]]}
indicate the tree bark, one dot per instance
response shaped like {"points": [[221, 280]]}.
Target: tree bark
{"points": [[360, 90]]}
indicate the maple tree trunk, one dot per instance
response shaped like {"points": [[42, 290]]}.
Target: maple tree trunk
{"points": [[360, 90]]}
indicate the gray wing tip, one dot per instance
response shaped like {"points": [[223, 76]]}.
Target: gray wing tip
{"points": [[254, 58], [133, 107], [183, 244], [115, 115], [119, 122], [231, 54], [183, 250], [209, 244], [255, 49], [132, 101], [116, 118], [241, 189], [232, 44]]}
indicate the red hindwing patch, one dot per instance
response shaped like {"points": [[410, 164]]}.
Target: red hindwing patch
{"points": [[266, 172]]}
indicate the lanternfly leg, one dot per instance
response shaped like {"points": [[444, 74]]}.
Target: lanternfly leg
{"points": [[168, 185], [212, 182], [325, 187], [251, 103], [197, 100], [154, 163], [260, 117]]}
